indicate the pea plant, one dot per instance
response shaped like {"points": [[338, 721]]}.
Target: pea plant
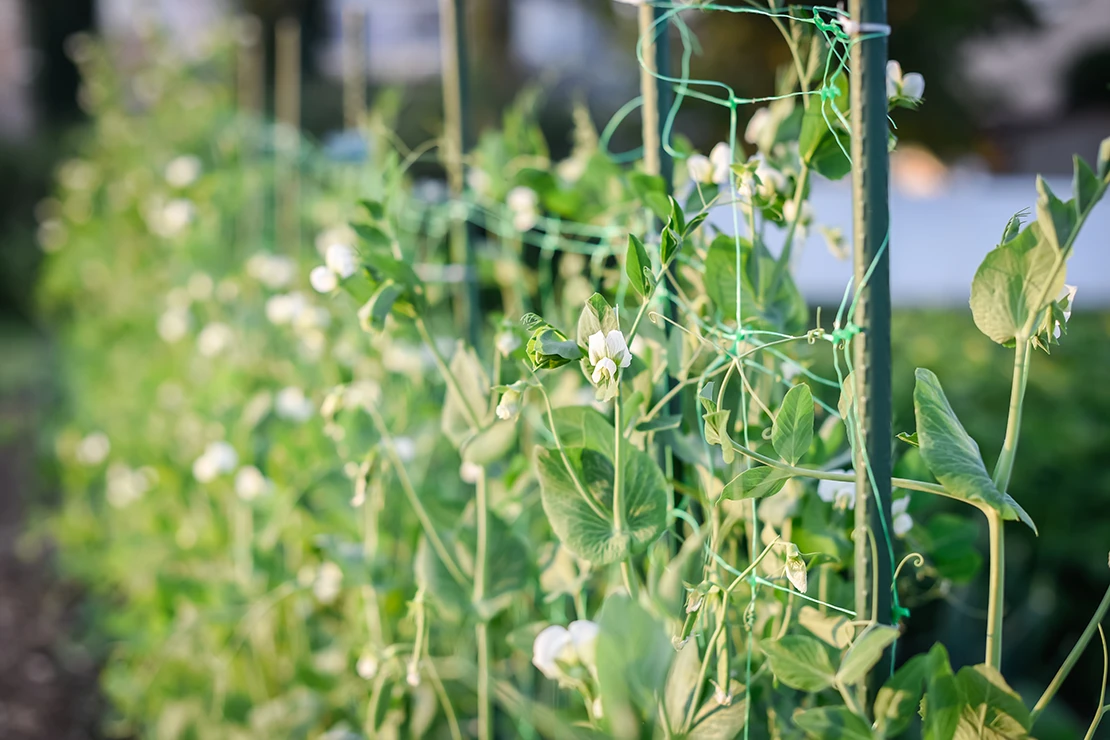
{"points": [[315, 507]]}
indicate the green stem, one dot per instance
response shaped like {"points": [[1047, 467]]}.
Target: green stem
{"points": [[1070, 661], [618, 498], [445, 371], [783, 263], [481, 629], [1102, 692], [1002, 472], [586, 495]]}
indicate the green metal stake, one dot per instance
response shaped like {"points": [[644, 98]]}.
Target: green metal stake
{"points": [[870, 226], [456, 105]]}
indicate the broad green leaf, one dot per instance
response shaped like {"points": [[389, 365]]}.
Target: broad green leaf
{"points": [[991, 709], [564, 493], [597, 316], [827, 723], [1056, 219], [490, 444], [800, 662], [659, 423], [683, 678], [677, 220], [756, 483], [372, 314], [865, 652], [470, 379], [638, 266], [834, 629], [792, 431], [942, 705], [1008, 286], [898, 700], [634, 655], [1086, 186], [785, 309], [372, 235], [715, 722], [951, 454]]}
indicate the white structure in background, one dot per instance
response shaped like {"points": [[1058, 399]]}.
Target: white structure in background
{"points": [[16, 71], [401, 39], [187, 24]]}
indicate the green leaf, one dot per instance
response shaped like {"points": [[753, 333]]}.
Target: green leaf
{"points": [[683, 679], [800, 662], [865, 652], [941, 707], [909, 438], [716, 433], [677, 219], [638, 266], [715, 722], [597, 316], [1009, 284], [832, 722], [1056, 219], [785, 309], [372, 314], [652, 192], [374, 209], [490, 444], [756, 483], [1013, 227], [951, 454], [991, 709], [471, 381], [847, 399], [792, 431], [564, 494], [898, 699], [1086, 186], [834, 629], [373, 236], [659, 423], [669, 244], [634, 655]]}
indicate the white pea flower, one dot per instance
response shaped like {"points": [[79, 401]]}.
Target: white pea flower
{"points": [[93, 448], [412, 676], [336, 235], [323, 280], [470, 472], [328, 583], [790, 213], [721, 157], [608, 354], [182, 171], [250, 483], [835, 241], [405, 448], [841, 494], [272, 270], [125, 486], [796, 568], [756, 125], [290, 403], [170, 219], [507, 342], [509, 405], [200, 286], [367, 666], [1067, 292], [571, 169], [700, 168], [217, 459], [903, 522], [214, 338], [284, 308], [524, 203], [478, 181], [342, 260], [909, 87], [596, 708], [559, 648]]}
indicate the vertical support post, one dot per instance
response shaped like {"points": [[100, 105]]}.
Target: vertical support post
{"points": [[250, 86], [287, 111], [354, 66], [871, 359], [456, 102]]}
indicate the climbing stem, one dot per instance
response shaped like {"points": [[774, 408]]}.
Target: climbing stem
{"points": [[627, 573], [1072, 658], [481, 628]]}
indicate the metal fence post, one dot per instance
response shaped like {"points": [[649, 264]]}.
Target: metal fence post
{"points": [[456, 104], [871, 360]]}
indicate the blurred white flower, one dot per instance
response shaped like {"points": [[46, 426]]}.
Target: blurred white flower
{"points": [[291, 403], [523, 202], [608, 354], [217, 459], [332, 661], [322, 279], [509, 405], [835, 241], [507, 341], [335, 235], [903, 522], [699, 168], [571, 169], [283, 308], [125, 486], [214, 338], [470, 472], [841, 494], [328, 583], [51, 235], [93, 448], [367, 666], [478, 181], [182, 171], [790, 211], [910, 86], [272, 270], [405, 448], [557, 648], [756, 124], [173, 325], [342, 260], [721, 157], [167, 220], [250, 483], [200, 286]]}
